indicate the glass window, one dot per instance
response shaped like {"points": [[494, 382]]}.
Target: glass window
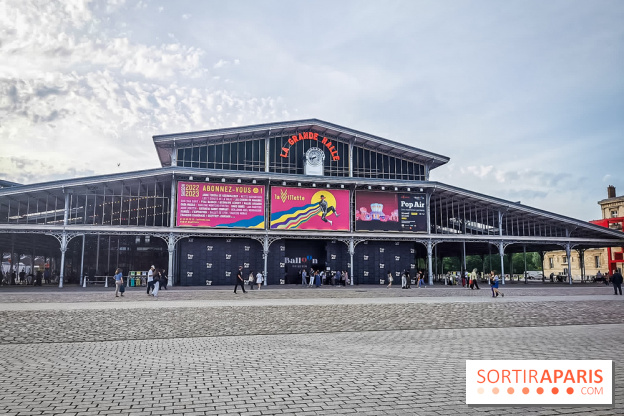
{"points": [[211, 157], [261, 157], [219, 156], [195, 157]]}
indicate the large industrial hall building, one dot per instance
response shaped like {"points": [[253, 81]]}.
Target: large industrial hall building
{"points": [[274, 198]]}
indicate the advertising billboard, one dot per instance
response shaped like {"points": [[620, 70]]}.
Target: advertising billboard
{"points": [[388, 211], [309, 209], [220, 205], [376, 211], [413, 212]]}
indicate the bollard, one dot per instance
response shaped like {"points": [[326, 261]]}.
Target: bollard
{"points": [[106, 281], [84, 281]]}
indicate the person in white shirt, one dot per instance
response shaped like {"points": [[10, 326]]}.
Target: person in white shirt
{"points": [[259, 279], [150, 280]]}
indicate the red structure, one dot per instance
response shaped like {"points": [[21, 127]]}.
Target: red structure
{"points": [[615, 255]]}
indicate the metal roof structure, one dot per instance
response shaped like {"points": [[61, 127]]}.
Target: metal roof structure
{"points": [[114, 184], [165, 143]]}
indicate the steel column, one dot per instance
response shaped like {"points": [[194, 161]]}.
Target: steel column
{"points": [[568, 250], [171, 251], [430, 261], [351, 254], [525, 269], [265, 257], [171, 241], [82, 259], [63, 249], [501, 252]]}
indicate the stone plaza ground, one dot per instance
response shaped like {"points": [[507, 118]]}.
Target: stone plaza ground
{"points": [[289, 350]]}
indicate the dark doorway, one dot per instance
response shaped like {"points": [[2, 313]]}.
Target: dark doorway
{"points": [[303, 254]]}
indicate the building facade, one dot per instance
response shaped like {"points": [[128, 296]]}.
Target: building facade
{"points": [[592, 261], [275, 198]]}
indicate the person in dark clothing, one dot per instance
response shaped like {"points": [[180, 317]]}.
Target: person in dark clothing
{"points": [[38, 278], [164, 280], [239, 280], [617, 282]]}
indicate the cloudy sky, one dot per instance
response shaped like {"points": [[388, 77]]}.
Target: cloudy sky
{"points": [[525, 97]]}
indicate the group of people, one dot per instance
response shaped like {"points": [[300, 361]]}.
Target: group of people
{"points": [[252, 280], [22, 278], [319, 278], [156, 279], [406, 279], [255, 279]]}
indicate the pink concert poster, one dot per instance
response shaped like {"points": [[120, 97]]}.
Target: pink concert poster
{"points": [[376, 211]]}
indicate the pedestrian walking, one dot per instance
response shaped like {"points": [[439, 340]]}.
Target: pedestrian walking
{"points": [[118, 282], [304, 274], [617, 282], [404, 280], [420, 279], [494, 282], [317, 279], [390, 280], [164, 279], [251, 279], [259, 279], [473, 279], [156, 283], [239, 280], [150, 279]]}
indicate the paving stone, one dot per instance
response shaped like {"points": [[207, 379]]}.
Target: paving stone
{"points": [[327, 355]]}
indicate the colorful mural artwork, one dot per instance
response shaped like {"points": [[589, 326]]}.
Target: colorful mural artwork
{"points": [[220, 205], [376, 211], [309, 209]]}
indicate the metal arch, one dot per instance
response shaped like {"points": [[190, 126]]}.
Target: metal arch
{"points": [[347, 241], [69, 236]]}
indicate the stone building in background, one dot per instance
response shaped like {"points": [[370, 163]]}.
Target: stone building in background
{"points": [[596, 260]]}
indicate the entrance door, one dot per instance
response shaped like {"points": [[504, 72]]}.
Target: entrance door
{"points": [[303, 254]]}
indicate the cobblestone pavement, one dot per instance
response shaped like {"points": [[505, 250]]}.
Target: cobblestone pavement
{"points": [[73, 294], [398, 356]]}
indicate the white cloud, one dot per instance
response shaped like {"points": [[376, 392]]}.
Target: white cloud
{"points": [[89, 102]]}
